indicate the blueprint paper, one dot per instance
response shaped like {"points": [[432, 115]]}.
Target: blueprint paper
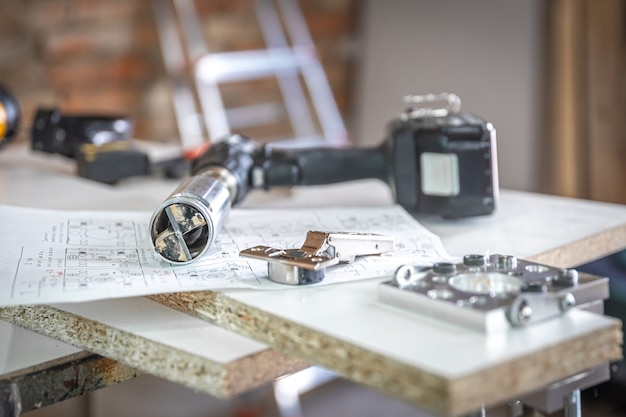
{"points": [[50, 256]]}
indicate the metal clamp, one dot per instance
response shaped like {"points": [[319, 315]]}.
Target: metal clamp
{"points": [[319, 251]]}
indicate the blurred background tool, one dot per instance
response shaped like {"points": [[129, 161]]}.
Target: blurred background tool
{"points": [[9, 115], [54, 132], [102, 146]]}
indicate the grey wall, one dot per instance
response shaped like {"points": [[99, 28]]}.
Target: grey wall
{"points": [[488, 52]]}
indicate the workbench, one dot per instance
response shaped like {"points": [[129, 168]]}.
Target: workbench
{"points": [[224, 343]]}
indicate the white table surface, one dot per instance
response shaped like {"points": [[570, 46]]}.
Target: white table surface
{"points": [[524, 225]]}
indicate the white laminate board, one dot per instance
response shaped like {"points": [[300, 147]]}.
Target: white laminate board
{"points": [[6, 337], [351, 313], [21, 348], [527, 224], [165, 326]]}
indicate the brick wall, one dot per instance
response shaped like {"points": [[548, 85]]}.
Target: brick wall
{"points": [[104, 55]]}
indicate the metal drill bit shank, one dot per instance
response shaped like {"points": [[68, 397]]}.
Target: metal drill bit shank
{"points": [[185, 225]]}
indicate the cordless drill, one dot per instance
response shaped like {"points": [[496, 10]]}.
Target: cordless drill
{"points": [[436, 161]]}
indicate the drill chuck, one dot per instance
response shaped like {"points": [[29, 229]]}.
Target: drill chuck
{"points": [[185, 225]]}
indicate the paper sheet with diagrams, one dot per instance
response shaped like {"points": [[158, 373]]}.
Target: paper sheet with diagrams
{"points": [[49, 256]]}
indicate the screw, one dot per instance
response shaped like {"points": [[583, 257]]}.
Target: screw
{"points": [[524, 313], [475, 260], [567, 302], [506, 261], [444, 268]]}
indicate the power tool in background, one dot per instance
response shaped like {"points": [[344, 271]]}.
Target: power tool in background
{"points": [[101, 144], [436, 159], [9, 116]]}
